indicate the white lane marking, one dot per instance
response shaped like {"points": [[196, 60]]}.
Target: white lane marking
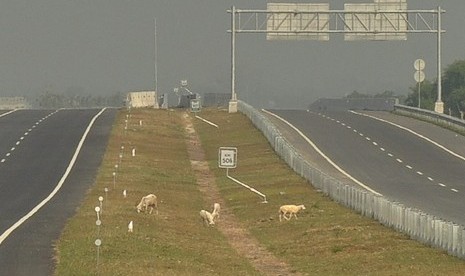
{"points": [[58, 186], [415, 133], [409, 167], [399, 160], [3, 160], [382, 149], [430, 179], [18, 142], [420, 173], [322, 154], [12, 149], [442, 185], [9, 112], [390, 154], [374, 143], [454, 190], [8, 154], [368, 138]]}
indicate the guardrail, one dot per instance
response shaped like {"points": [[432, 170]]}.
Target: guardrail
{"points": [[420, 226], [430, 116]]}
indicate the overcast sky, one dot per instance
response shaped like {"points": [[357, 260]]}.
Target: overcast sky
{"points": [[107, 46]]}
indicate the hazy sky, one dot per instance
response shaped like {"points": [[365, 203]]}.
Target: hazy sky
{"points": [[107, 46]]}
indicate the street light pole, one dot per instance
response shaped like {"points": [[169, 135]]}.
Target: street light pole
{"points": [[233, 101], [439, 105]]}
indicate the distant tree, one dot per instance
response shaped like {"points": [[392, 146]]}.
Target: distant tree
{"points": [[453, 87], [355, 94], [427, 93]]}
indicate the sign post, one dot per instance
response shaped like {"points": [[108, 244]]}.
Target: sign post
{"points": [[419, 76], [227, 159]]}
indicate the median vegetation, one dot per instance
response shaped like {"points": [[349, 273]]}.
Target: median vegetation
{"points": [[327, 239]]}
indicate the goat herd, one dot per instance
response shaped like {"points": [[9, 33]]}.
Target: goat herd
{"points": [[150, 201]]}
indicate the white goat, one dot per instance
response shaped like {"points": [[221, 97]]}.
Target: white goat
{"points": [[146, 202], [290, 209], [207, 217], [216, 210]]}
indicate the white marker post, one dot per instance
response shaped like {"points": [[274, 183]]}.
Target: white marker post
{"points": [[98, 242], [100, 199], [227, 158]]}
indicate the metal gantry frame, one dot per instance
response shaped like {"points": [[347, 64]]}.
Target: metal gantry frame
{"points": [[335, 21]]}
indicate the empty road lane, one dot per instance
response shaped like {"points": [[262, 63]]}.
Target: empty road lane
{"points": [[37, 150], [410, 167]]}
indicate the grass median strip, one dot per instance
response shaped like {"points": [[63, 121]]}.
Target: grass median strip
{"points": [[327, 239]]}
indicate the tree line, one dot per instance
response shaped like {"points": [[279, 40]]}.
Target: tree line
{"points": [[453, 92]]}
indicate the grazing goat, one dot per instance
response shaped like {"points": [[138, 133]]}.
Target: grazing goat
{"points": [[207, 217], [290, 209], [216, 211], [146, 202]]}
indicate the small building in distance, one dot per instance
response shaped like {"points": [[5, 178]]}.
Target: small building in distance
{"points": [[13, 103], [142, 99]]}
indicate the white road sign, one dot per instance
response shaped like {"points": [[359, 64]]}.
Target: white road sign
{"points": [[227, 157], [419, 64]]}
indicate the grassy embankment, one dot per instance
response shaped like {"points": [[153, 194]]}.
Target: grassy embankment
{"points": [[326, 240]]}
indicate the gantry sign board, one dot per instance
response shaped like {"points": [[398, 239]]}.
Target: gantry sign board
{"points": [[227, 157], [381, 20], [284, 20], [375, 21]]}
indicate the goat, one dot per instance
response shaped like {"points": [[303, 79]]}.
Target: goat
{"points": [[216, 210], [207, 217], [146, 202], [290, 209]]}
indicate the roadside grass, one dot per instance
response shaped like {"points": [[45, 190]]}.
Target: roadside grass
{"points": [[327, 239], [175, 242]]}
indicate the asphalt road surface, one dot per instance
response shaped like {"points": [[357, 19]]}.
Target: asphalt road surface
{"points": [[36, 149], [415, 163]]}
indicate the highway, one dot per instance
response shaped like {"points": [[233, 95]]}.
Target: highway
{"points": [[412, 162], [44, 175]]}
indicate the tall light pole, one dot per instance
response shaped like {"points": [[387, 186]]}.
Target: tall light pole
{"points": [[233, 101], [439, 105]]}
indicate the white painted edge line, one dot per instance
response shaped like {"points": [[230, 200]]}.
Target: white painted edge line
{"points": [[9, 112], [58, 186], [414, 133], [322, 154], [206, 121]]}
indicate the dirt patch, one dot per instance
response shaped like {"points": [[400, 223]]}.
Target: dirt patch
{"points": [[238, 236]]}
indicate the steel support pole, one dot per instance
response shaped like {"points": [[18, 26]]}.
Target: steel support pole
{"points": [[439, 105], [233, 101]]}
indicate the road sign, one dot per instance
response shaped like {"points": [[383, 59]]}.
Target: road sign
{"points": [[195, 105], [227, 157], [419, 64], [419, 76]]}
